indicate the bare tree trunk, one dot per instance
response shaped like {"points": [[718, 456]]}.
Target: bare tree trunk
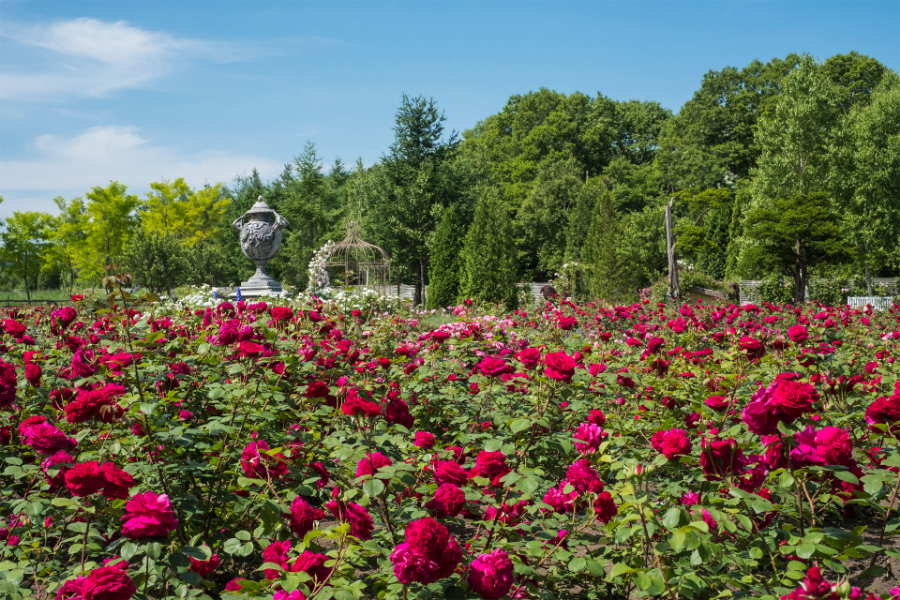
{"points": [[674, 291]]}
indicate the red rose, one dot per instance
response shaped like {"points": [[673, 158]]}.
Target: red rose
{"points": [[304, 516], [281, 313], [529, 357], [720, 457], [371, 463], [448, 501], [605, 507], [204, 567], [752, 347], [250, 349], [85, 479], [559, 366], [108, 583], [492, 366], [118, 482]]}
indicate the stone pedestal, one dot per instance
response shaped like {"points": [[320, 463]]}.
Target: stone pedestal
{"points": [[261, 284]]}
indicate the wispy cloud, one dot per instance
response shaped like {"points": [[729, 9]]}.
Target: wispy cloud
{"points": [[70, 166], [91, 58]]}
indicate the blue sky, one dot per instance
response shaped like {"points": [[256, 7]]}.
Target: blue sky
{"points": [[142, 91]]}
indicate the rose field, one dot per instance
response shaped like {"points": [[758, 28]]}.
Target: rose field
{"points": [[310, 449]]}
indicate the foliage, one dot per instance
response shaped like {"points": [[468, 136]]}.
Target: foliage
{"points": [[415, 178], [488, 258], [156, 261], [776, 291], [112, 220], [23, 242], [793, 236], [610, 276], [446, 261]]}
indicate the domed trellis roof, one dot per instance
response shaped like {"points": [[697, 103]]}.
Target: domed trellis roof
{"points": [[363, 263]]}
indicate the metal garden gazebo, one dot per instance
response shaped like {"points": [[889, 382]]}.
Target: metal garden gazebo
{"points": [[355, 262]]}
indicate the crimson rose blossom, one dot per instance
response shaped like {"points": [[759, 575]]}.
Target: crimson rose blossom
{"points": [[671, 443], [492, 366], [85, 479], [784, 400], [583, 477], [752, 347], [260, 465], [605, 507], [448, 471], [720, 457], [47, 438], [204, 568], [491, 575], [559, 366], [312, 563], [591, 437], [304, 516], [448, 501], [490, 465], [885, 411], [424, 440], [148, 515], [361, 524], [371, 463], [430, 553], [108, 583], [7, 384], [798, 334], [529, 357]]}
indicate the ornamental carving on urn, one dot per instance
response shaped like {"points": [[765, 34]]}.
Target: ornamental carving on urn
{"points": [[260, 229]]}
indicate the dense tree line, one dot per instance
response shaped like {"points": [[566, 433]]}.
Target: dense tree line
{"points": [[789, 168]]}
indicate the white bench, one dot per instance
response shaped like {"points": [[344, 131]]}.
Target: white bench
{"points": [[877, 302]]}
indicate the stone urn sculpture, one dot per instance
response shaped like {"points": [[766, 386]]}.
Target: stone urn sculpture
{"points": [[260, 229]]}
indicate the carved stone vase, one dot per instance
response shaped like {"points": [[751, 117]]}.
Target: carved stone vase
{"points": [[260, 229]]}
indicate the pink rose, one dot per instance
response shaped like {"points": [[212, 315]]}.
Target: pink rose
{"points": [[424, 440], [491, 575], [148, 515], [47, 439], [448, 501]]}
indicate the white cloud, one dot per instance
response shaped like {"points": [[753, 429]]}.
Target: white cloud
{"points": [[90, 58], [71, 166]]}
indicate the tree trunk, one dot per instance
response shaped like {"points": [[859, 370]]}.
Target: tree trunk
{"points": [[420, 285], [674, 291]]}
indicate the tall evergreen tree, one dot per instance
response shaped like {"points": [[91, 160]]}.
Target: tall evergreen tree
{"points": [[489, 266], [443, 274], [610, 279], [413, 177]]}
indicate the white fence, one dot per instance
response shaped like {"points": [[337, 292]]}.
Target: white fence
{"points": [[877, 302], [408, 292], [749, 291]]}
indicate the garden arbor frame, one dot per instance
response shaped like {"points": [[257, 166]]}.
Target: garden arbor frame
{"points": [[362, 264]]}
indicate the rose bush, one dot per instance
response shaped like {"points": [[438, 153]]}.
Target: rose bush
{"points": [[304, 451]]}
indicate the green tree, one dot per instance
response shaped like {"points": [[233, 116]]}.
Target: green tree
{"points": [[305, 204], [24, 241], [793, 236], [488, 257], [414, 180], [67, 234], [855, 75], [112, 221], [156, 261], [444, 271], [794, 140], [610, 278], [543, 219], [865, 176]]}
